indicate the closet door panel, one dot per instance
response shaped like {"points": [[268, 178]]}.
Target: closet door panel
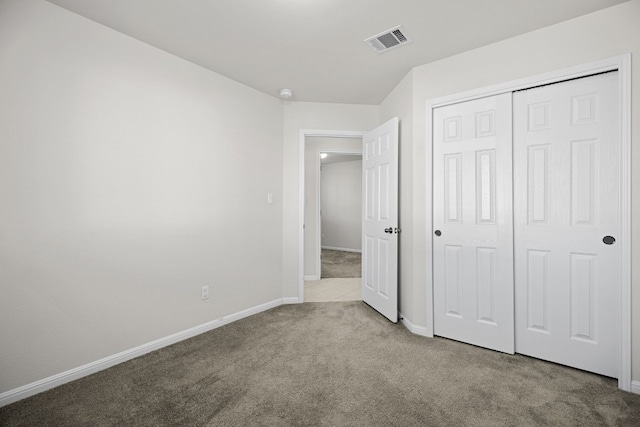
{"points": [[473, 241], [566, 182]]}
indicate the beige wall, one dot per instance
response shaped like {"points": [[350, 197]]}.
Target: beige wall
{"points": [[607, 33], [309, 115], [129, 178]]}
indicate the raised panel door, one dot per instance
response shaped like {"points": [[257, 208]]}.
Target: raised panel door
{"points": [[473, 241], [566, 157]]}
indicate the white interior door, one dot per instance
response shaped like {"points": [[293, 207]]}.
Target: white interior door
{"points": [[567, 182], [380, 222], [472, 221]]}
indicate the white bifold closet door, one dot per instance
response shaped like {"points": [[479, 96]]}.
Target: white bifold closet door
{"points": [[567, 187], [472, 221]]}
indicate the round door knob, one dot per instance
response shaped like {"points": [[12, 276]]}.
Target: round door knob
{"points": [[388, 230], [608, 240], [437, 233]]}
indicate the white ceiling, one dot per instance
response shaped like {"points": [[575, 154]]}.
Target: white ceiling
{"points": [[315, 47]]}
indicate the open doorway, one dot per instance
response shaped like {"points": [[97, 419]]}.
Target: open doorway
{"points": [[333, 219], [340, 215]]}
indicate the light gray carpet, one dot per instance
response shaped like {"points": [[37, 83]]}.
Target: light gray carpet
{"points": [[340, 264], [328, 364]]}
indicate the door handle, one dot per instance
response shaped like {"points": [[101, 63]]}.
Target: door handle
{"points": [[437, 233], [608, 240], [388, 230]]}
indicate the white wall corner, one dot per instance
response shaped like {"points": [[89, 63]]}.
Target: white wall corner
{"points": [[291, 300], [635, 387], [45, 384], [418, 330]]}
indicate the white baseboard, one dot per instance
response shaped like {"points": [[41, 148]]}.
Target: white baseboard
{"points": [[25, 391], [333, 248], [418, 330], [316, 277], [635, 387], [291, 300]]}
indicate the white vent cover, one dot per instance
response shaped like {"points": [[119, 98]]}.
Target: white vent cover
{"points": [[389, 39]]}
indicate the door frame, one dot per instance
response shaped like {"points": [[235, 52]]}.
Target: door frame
{"points": [[303, 134], [620, 63], [346, 151]]}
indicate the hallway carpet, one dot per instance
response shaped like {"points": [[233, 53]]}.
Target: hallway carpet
{"points": [[328, 364], [341, 264]]}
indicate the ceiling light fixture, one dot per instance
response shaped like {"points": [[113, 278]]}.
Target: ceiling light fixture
{"points": [[286, 93]]}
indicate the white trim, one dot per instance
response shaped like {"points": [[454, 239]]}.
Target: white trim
{"points": [[316, 277], [418, 330], [635, 387], [333, 248], [604, 65], [28, 390], [304, 133], [623, 65], [428, 215], [318, 215], [291, 300], [624, 76]]}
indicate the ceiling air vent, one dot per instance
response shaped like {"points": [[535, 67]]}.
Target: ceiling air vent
{"points": [[389, 39]]}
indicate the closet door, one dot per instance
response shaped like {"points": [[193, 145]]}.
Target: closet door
{"points": [[472, 223], [567, 188]]}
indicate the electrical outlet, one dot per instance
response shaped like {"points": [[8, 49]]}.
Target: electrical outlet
{"points": [[205, 292]]}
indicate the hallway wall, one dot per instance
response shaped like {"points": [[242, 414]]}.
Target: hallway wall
{"points": [[341, 199]]}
